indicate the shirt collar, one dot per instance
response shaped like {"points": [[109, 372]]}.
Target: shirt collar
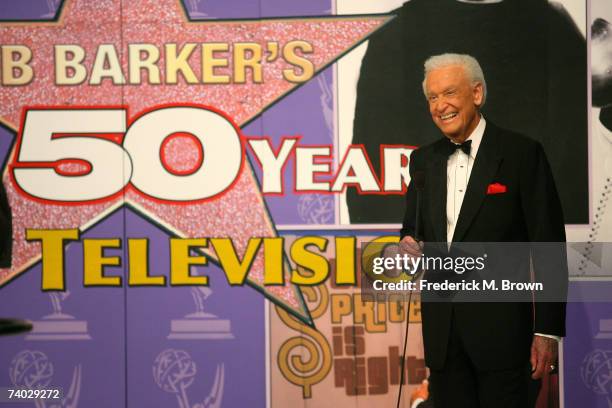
{"points": [[476, 136]]}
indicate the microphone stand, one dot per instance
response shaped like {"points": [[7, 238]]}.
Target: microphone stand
{"points": [[419, 184]]}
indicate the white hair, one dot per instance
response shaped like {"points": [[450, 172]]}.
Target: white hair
{"points": [[470, 65]]}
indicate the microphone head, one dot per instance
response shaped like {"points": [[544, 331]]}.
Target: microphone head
{"points": [[419, 179]]}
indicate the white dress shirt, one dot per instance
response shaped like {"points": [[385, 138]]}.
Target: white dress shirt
{"points": [[416, 402], [458, 170]]}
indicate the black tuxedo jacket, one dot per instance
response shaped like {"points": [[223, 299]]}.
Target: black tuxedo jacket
{"points": [[496, 335]]}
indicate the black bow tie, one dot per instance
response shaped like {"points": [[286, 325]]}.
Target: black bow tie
{"points": [[466, 147]]}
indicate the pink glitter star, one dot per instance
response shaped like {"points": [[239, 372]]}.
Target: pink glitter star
{"points": [[238, 214]]}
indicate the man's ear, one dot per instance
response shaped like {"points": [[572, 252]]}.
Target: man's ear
{"points": [[478, 93]]}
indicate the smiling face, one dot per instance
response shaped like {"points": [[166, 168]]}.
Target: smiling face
{"points": [[453, 101]]}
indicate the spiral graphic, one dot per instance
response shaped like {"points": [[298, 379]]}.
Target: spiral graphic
{"points": [[312, 368]]}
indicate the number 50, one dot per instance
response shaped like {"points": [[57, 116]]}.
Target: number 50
{"points": [[54, 137]]}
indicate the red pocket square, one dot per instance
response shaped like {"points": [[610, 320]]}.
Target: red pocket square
{"points": [[496, 188]]}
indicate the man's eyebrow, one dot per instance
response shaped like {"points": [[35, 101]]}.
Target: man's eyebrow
{"points": [[445, 90]]}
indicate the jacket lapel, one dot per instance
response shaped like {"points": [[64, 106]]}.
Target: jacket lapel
{"points": [[437, 175], [484, 170]]}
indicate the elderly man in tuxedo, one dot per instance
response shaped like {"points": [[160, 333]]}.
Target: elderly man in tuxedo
{"points": [[482, 354]]}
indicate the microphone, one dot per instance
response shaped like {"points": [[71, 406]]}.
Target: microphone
{"points": [[419, 183], [418, 178], [14, 326]]}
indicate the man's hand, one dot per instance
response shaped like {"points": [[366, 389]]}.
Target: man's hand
{"points": [[544, 353], [409, 246], [422, 392]]}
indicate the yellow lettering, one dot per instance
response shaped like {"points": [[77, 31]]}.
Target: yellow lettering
{"points": [[364, 313], [94, 262], [345, 261], [52, 243], [415, 311], [235, 270], [315, 263], [397, 310], [292, 57], [182, 260], [210, 61], [242, 62], [273, 261], [340, 306], [138, 252]]}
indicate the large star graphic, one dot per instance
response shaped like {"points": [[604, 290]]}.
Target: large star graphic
{"points": [[241, 212]]}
